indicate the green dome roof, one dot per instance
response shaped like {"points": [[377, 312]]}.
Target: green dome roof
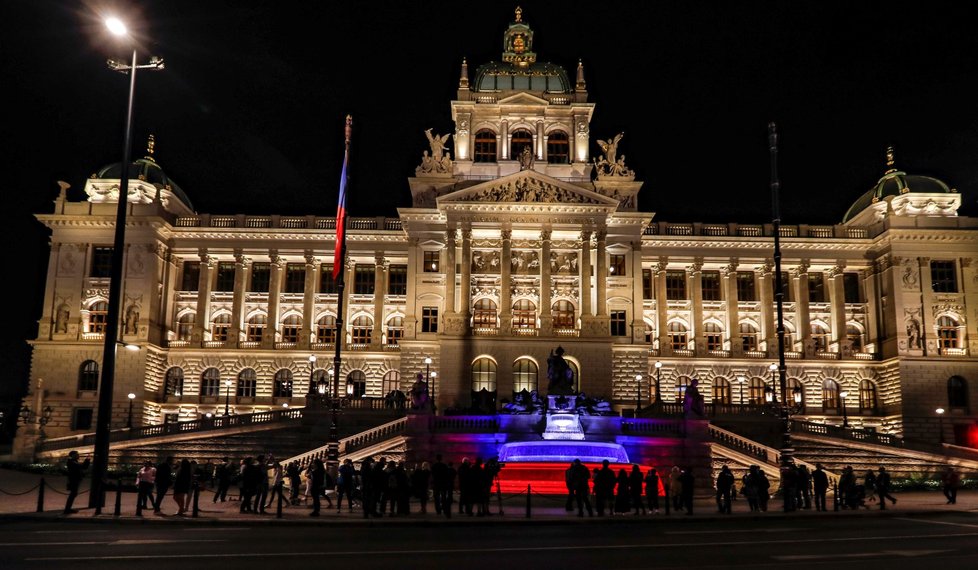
{"points": [[147, 170], [894, 183], [519, 69]]}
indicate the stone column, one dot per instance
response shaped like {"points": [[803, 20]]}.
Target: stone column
{"points": [[802, 322], [450, 248], [49, 320], [732, 324], [308, 302], [276, 268], [465, 310], [585, 274], [241, 266], [769, 331], [504, 136], [694, 276], [662, 307], [638, 302], [539, 140], [546, 285], [207, 264], [506, 284], [380, 291], [837, 298], [411, 299], [868, 277], [602, 276]]}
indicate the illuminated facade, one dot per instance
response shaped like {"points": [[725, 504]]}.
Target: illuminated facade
{"points": [[517, 240]]}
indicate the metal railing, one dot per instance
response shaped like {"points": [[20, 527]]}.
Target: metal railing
{"points": [[354, 442]]}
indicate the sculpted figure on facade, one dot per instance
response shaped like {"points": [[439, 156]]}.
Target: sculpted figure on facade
{"points": [[438, 160], [61, 319], [610, 164], [526, 158]]}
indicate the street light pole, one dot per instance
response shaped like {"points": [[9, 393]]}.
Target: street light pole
{"points": [[740, 381], [427, 379], [658, 382], [845, 413], [774, 385], [100, 454], [312, 372], [940, 423], [227, 398], [132, 397], [638, 393]]}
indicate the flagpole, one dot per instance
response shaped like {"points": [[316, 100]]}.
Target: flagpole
{"points": [[339, 263]]}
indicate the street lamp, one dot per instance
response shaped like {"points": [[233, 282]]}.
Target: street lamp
{"points": [[312, 372], [940, 423], [658, 382], [427, 379], [770, 393], [100, 455], [434, 376], [638, 393], [227, 398], [132, 397], [845, 414], [741, 381]]}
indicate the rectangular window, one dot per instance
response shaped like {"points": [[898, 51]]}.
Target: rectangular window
{"points": [[431, 264], [816, 288], [785, 287], [295, 278], [746, 291], [943, 277], [616, 265], [101, 262], [225, 277], [619, 326], [397, 280], [246, 387], [261, 274], [710, 286], [191, 275], [363, 280], [648, 284], [171, 418], [81, 418], [850, 283], [327, 284], [429, 319], [676, 285]]}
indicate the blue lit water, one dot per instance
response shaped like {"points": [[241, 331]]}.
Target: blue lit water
{"points": [[560, 450]]}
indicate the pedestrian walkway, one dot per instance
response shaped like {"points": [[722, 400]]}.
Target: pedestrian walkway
{"points": [[19, 499]]}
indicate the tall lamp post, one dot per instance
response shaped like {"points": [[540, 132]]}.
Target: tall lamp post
{"points": [[312, 383], [940, 423], [845, 413], [100, 455], [227, 398], [771, 394], [132, 397], [741, 381], [427, 379], [658, 382], [638, 393]]}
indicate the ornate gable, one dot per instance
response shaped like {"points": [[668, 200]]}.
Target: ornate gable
{"points": [[527, 187], [523, 99]]}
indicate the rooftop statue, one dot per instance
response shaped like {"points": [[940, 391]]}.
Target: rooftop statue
{"points": [[610, 164], [437, 160]]}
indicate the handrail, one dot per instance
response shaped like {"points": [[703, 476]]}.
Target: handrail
{"points": [[750, 447], [353, 442]]}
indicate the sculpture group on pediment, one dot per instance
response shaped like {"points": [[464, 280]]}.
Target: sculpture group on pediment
{"points": [[485, 262], [563, 263], [438, 160], [529, 190], [525, 262], [610, 164]]}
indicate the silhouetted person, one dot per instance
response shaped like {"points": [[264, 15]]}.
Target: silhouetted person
{"points": [[883, 488], [820, 484], [805, 487], [222, 474], [623, 495], [635, 480], [76, 472], [725, 483], [164, 480], [687, 480], [950, 483], [316, 488], [345, 480], [604, 487], [578, 483], [440, 484], [652, 490], [568, 473]]}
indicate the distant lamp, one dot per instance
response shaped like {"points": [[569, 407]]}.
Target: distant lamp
{"points": [[130, 346], [845, 413], [940, 423], [769, 394]]}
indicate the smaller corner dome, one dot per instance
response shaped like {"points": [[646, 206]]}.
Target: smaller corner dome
{"points": [[147, 170], [895, 183]]}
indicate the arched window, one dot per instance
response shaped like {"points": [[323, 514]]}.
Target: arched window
{"points": [[256, 328], [558, 148], [390, 382], [185, 326], [681, 385], [576, 373], [796, 392], [649, 332], [363, 327], [525, 375], [247, 381], [282, 384], [855, 336], [173, 383], [714, 336], [867, 397], [326, 329], [564, 316], [485, 146], [748, 337], [678, 335], [755, 392], [210, 382], [820, 336], [97, 317], [518, 139], [721, 392], [830, 395], [88, 376], [524, 315], [947, 333], [220, 327], [291, 327], [484, 313], [957, 392], [356, 384], [395, 330], [484, 375]]}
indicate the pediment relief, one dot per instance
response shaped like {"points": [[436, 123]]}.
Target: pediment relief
{"points": [[523, 99], [527, 187]]}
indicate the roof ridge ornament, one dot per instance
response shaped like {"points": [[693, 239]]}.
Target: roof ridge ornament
{"points": [[519, 14], [890, 160], [580, 75], [150, 147], [463, 80]]}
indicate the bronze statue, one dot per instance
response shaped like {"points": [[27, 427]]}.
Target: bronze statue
{"points": [[559, 373]]}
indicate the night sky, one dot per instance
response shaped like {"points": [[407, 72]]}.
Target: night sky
{"points": [[248, 113]]}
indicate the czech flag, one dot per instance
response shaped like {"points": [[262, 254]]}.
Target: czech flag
{"points": [[338, 260]]}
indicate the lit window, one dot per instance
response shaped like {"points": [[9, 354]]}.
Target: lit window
{"points": [[558, 148], [291, 327], [616, 265], [363, 327], [524, 315], [220, 327], [525, 375], [820, 336], [714, 336], [98, 317], [210, 382], [431, 262], [563, 315], [519, 139], [484, 375], [830, 395], [947, 333], [356, 384], [173, 383], [485, 146], [395, 330], [326, 329], [867, 396], [256, 328], [247, 380], [748, 337], [185, 326], [721, 391], [484, 313], [678, 335]]}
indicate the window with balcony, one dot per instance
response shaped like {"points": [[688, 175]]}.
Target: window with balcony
{"points": [[327, 284], [185, 326], [356, 384], [525, 375], [190, 280], [676, 285], [710, 286], [820, 337], [816, 287], [564, 316], [295, 278], [616, 265], [291, 327], [619, 323], [855, 336], [867, 397], [484, 313], [395, 330], [851, 288], [947, 334], [247, 382], [261, 275], [255, 328], [431, 262], [518, 139], [524, 315], [558, 148], [429, 319], [363, 279], [98, 315], [830, 395], [326, 329], [397, 280], [88, 376], [225, 277], [714, 336], [220, 327], [484, 374], [210, 383], [748, 337], [678, 335], [746, 288], [282, 384], [101, 262], [485, 146], [943, 277], [173, 382], [363, 327]]}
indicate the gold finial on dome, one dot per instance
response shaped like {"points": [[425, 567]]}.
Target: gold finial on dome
{"points": [[151, 147], [890, 159], [519, 14]]}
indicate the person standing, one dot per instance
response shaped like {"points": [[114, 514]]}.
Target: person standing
{"points": [[295, 479], [420, 484], [635, 480], [345, 479], [687, 480], [604, 488], [883, 488], [181, 486], [568, 474], [318, 478], [725, 483], [438, 474], [951, 481], [222, 474], [76, 472], [820, 483], [652, 490], [676, 488], [622, 495], [805, 487], [579, 478], [145, 481], [164, 479], [277, 484]]}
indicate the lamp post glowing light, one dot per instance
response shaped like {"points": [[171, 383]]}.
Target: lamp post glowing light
{"points": [[312, 373], [845, 413], [427, 379], [227, 398], [940, 423], [658, 382], [638, 393], [129, 418], [100, 454], [741, 381]]}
